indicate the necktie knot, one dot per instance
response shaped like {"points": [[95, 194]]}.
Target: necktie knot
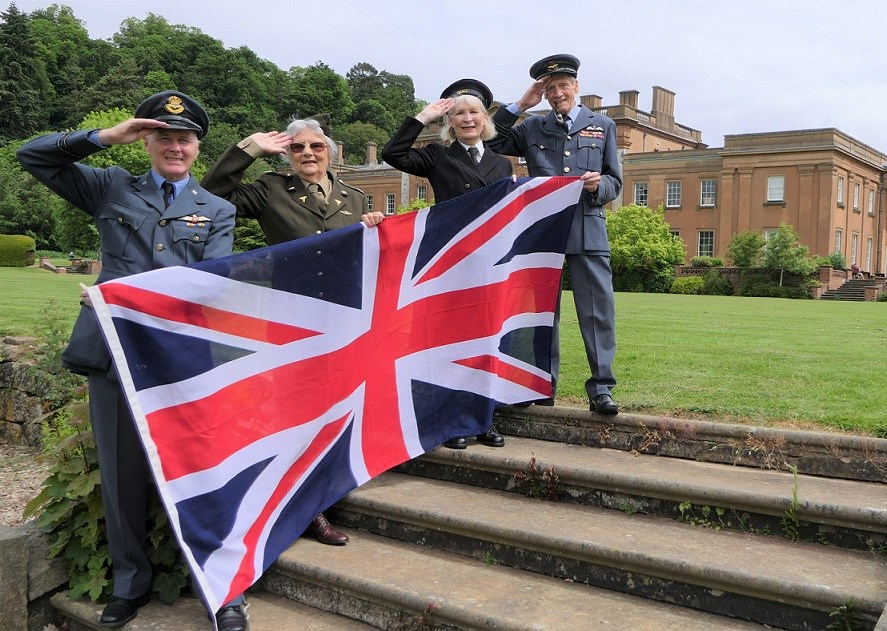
{"points": [[474, 153], [168, 192], [318, 195]]}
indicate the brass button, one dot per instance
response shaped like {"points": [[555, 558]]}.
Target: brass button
{"points": [[566, 153], [162, 222], [467, 185], [119, 219], [196, 237], [566, 169], [318, 232], [159, 247]]}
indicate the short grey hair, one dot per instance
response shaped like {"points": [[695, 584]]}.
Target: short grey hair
{"points": [[447, 133], [298, 125]]}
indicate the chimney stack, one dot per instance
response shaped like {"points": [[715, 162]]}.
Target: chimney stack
{"points": [[341, 151], [629, 98], [371, 153], [663, 107], [591, 101]]}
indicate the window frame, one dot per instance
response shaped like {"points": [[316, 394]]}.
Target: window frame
{"points": [[713, 193], [668, 193], [646, 188], [390, 203], [699, 236], [770, 188]]}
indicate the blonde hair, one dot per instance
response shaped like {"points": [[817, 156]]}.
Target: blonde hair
{"points": [[448, 134]]}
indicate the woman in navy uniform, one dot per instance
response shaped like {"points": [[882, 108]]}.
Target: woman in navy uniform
{"points": [[299, 201], [467, 164], [145, 222]]}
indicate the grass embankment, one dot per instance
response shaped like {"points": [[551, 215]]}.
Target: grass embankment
{"points": [[756, 360]]}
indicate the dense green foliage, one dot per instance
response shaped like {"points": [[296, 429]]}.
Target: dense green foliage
{"points": [[643, 252], [16, 250], [706, 261], [745, 249], [687, 285], [54, 77]]}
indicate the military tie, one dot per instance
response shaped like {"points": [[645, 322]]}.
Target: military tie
{"points": [[475, 154], [168, 193], [319, 197], [566, 124]]}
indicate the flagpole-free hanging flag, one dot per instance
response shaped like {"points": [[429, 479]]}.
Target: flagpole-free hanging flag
{"points": [[267, 385]]}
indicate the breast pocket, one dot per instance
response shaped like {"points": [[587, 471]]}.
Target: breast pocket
{"points": [[589, 153], [541, 158], [189, 240], [118, 225]]}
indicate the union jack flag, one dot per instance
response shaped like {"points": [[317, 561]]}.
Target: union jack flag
{"points": [[268, 385]]}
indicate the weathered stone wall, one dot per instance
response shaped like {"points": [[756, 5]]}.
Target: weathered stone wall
{"points": [[21, 406]]}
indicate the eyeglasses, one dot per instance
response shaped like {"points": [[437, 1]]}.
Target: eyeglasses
{"points": [[316, 147]]}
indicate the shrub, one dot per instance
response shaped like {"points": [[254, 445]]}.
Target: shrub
{"points": [[882, 297], [835, 259], [687, 285], [69, 507], [16, 250], [716, 285], [706, 261], [766, 287]]}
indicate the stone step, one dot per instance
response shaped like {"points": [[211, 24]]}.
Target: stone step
{"points": [[846, 513], [769, 580], [399, 586], [267, 612], [813, 453]]}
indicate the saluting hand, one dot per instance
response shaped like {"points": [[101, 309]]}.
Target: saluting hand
{"points": [[533, 96], [129, 131], [435, 110], [272, 142]]}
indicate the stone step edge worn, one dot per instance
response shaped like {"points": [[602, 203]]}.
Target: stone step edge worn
{"points": [[812, 453]]}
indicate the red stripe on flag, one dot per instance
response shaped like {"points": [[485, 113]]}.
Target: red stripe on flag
{"points": [[491, 363], [492, 227], [170, 308], [245, 573]]}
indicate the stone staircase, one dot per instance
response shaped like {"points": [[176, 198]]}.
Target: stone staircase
{"points": [[583, 522], [853, 289]]}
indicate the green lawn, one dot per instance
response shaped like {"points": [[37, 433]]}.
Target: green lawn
{"points": [[758, 360]]}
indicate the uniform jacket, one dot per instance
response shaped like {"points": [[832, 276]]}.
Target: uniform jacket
{"points": [[280, 201], [549, 150], [450, 170], [137, 234]]}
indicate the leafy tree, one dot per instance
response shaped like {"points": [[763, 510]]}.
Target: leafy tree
{"points": [[784, 252], [414, 205], [373, 113], [317, 89], [355, 137], [22, 78], [745, 249], [643, 252], [120, 88], [26, 206]]}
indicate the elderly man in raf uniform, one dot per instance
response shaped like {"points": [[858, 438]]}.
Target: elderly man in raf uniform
{"points": [[573, 140], [149, 221]]}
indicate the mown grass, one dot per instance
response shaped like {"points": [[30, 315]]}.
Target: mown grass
{"points": [[753, 360]]}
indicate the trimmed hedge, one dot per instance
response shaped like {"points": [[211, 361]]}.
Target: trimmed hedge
{"points": [[16, 250], [687, 285]]}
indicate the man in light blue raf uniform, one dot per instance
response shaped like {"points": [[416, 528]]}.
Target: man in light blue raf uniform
{"points": [[145, 222], [573, 140]]}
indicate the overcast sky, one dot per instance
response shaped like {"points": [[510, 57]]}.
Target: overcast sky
{"points": [[736, 66]]}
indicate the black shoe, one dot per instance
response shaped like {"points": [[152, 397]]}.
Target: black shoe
{"points": [[456, 443], [546, 402], [120, 610], [232, 618], [491, 439], [604, 404]]}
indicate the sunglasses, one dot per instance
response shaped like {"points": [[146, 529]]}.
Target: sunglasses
{"points": [[316, 147]]}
